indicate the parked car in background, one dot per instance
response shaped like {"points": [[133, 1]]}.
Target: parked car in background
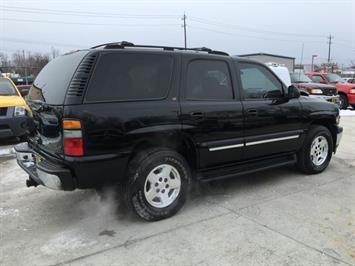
{"points": [[153, 119], [14, 112], [350, 80], [346, 90], [23, 89], [312, 89], [281, 71], [23, 84]]}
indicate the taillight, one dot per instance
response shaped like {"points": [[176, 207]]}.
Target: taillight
{"points": [[73, 138]]}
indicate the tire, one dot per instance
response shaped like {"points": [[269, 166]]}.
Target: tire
{"points": [[343, 101], [313, 164], [148, 192]]}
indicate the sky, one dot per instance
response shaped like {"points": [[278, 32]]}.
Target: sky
{"points": [[285, 27]]}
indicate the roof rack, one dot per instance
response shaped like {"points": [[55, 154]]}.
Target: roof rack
{"points": [[123, 44]]}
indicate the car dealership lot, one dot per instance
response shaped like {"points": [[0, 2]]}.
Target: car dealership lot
{"points": [[270, 218]]}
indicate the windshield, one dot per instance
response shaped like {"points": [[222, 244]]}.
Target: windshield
{"points": [[334, 78], [6, 88], [300, 78]]}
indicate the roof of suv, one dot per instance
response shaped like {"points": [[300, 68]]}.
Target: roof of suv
{"points": [[124, 45]]}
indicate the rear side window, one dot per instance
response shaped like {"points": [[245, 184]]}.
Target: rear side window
{"points": [[6, 88], [52, 82], [208, 80], [119, 77]]}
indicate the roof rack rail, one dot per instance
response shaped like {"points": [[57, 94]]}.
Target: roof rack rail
{"points": [[123, 44]]}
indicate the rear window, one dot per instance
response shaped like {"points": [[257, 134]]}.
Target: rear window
{"points": [[52, 82], [6, 88], [119, 77]]}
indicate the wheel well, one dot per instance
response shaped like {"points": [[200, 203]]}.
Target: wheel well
{"points": [[342, 93], [183, 145], [330, 124]]}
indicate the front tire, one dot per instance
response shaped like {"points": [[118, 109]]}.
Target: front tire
{"points": [[317, 151], [158, 181], [343, 101]]}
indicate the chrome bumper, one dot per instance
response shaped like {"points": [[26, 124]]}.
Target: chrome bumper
{"points": [[333, 99], [41, 171]]}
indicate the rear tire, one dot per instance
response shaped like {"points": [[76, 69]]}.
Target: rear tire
{"points": [[343, 101], [317, 150], [158, 182]]}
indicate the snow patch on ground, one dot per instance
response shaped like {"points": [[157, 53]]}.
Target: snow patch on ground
{"points": [[65, 242], [7, 151], [9, 212], [347, 112]]}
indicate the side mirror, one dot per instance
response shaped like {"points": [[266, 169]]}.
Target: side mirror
{"points": [[322, 81], [293, 92]]}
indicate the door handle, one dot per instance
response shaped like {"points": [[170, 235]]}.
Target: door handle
{"points": [[196, 114], [252, 112]]}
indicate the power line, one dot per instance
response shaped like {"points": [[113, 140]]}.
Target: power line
{"points": [[15, 40], [85, 13], [249, 36], [242, 28], [86, 23]]}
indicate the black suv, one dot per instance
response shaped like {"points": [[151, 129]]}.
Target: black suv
{"points": [[151, 118]]}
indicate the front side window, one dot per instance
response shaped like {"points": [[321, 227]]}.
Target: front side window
{"points": [[134, 76], [334, 78], [258, 82], [316, 78], [6, 88], [208, 80], [299, 78]]}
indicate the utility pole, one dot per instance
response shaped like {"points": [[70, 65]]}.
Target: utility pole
{"points": [[25, 65], [184, 25], [312, 66], [330, 44]]}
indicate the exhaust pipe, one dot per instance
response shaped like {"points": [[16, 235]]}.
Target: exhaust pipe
{"points": [[31, 183]]}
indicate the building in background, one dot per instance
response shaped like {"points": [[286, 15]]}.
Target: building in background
{"points": [[287, 61]]}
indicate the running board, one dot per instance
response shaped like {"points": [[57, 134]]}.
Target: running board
{"points": [[246, 167]]}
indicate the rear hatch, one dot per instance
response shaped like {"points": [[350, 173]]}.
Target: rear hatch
{"points": [[46, 99]]}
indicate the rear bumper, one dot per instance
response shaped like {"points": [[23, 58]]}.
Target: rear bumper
{"points": [[42, 171], [333, 99], [71, 172], [11, 126]]}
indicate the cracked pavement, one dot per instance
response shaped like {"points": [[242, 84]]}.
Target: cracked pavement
{"points": [[275, 217]]}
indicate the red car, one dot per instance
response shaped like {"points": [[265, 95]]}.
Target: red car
{"points": [[346, 90]]}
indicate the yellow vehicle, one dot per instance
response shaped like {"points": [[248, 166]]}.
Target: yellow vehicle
{"points": [[14, 112]]}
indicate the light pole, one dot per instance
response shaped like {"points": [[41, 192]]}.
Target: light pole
{"points": [[313, 56]]}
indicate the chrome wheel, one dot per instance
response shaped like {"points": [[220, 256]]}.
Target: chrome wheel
{"points": [[319, 150], [162, 186]]}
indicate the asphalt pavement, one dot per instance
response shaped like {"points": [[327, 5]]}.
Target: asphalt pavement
{"points": [[276, 217]]}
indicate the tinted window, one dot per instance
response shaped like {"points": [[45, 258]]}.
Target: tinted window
{"points": [[6, 88], [299, 78], [316, 79], [258, 82], [52, 82], [208, 80], [119, 76]]}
